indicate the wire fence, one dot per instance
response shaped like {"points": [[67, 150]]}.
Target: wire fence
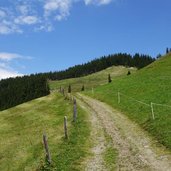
{"points": [[151, 105]]}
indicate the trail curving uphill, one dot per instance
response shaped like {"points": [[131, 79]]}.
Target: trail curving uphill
{"points": [[136, 150]]}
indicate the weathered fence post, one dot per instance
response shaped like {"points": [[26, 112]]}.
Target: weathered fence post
{"points": [[152, 111], [48, 157], [75, 111], [63, 91], [119, 98], [65, 127], [92, 90]]}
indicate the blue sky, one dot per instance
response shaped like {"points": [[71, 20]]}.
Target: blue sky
{"points": [[49, 35]]}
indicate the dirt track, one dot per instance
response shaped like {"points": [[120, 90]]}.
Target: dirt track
{"points": [[136, 149]]}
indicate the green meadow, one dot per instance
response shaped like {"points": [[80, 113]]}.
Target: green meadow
{"points": [[92, 80], [22, 127], [150, 84]]}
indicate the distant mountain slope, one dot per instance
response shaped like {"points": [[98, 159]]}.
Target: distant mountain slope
{"points": [[137, 91], [99, 64], [92, 80]]}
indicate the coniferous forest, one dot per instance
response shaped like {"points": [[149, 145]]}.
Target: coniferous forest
{"points": [[137, 60], [14, 91]]}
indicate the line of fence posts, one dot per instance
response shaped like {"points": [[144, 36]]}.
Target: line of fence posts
{"points": [[45, 142], [151, 105]]}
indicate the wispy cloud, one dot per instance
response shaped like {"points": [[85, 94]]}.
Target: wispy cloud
{"points": [[28, 20], [6, 60], [97, 2], [8, 73], [9, 56], [38, 15]]}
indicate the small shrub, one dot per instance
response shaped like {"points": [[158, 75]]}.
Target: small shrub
{"points": [[109, 79], [129, 73], [82, 89], [69, 89]]}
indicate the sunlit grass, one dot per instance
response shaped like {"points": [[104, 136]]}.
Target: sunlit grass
{"points": [[151, 84], [91, 81], [22, 127]]}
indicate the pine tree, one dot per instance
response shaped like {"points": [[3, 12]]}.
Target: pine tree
{"points": [[109, 79], [158, 56], [128, 73], [69, 89], [167, 50], [82, 89]]}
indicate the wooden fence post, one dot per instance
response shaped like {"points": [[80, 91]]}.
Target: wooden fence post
{"points": [[60, 89], [75, 111], [119, 98], [152, 111], [48, 156], [63, 92], [65, 127], [92, 90]]}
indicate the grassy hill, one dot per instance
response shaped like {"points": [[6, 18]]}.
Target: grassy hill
{"points": [[137, 91], [151, 84], [22, 127], [93, 80]]}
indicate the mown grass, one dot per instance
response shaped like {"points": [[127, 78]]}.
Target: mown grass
{"points": [[91, 81], [151, 84], [22, 127]]}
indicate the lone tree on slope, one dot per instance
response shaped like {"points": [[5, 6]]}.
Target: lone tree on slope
{"points": [[167, 50], [129, 72], [69, 88], [109, 79], [82, 89]]}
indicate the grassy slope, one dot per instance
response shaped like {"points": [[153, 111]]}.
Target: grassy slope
{"points": [[92, 80], [151, 84], [21, 131]]}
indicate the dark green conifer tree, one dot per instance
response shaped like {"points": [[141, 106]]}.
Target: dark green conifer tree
{"points": [[167, 50], [129, 72], [109, 79], [69, 89], [82, 89]]}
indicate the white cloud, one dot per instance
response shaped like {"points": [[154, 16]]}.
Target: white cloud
{"points": [[7, 27], [9, 56], [38, 15], [97, 2], [2, 14], [6, 64], [23, 9], [26, 20], [60, 9], [8, 73]]}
